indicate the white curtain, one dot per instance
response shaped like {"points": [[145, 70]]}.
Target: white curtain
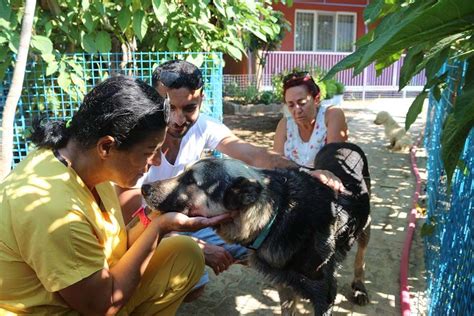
{"points": [[326, 25], [345, 33], [304, 31]]}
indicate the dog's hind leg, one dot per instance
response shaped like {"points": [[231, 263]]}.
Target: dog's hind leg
{"points": [[288, 299], [359, 292]]}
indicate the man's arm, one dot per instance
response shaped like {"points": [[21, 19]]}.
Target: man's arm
{"points": [[256, 156]]}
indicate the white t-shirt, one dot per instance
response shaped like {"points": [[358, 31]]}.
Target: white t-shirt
{"points": [[206, 133]]}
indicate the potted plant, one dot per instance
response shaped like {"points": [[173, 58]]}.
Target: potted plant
{"points": [[330, 92]]}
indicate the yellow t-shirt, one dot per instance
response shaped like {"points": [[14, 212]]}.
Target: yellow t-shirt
{"points": [[53, 234]]}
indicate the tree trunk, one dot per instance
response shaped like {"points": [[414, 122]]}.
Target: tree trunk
{"points": [[8, 116]]}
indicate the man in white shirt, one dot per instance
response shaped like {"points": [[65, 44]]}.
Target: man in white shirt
{"points": [[189, 133]]}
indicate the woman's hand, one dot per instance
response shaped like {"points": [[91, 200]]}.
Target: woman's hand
{"points": [[168, 222], [328, 178]]}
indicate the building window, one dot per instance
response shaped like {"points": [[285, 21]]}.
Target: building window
{"points": [[324, 31]]}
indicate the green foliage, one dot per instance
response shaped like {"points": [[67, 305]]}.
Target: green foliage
{"points": [[232, 89], [340, 88], [331, 88], [268, 97], [431, 33], [250, 94], [94, 26]]}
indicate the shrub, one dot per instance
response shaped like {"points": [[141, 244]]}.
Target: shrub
{"points": [[250, 95], [268, 97], [232, 89], [340, 88], [331, 88]]}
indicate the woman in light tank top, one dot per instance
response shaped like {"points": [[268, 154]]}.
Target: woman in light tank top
{"points": [[310, 126]]}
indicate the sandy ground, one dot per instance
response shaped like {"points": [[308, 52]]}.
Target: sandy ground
{"points": [[242, 291]]}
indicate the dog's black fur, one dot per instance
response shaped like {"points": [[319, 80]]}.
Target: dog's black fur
{"points": [[313, 228]]}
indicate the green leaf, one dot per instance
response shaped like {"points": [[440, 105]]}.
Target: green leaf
{"points": [[4, 65], [103, 42], [409, 68], [124, 18], [197, 60], [5, 10], [51, 68], [219, 6], [42, 43], [88, 21], [88, 43], [64, 81], [457, 126], [415, 23], [161, 11], [233, 51], [346, 63], [172, 43], [140, 25], [415, 109], [385, 62], [85, 5]]}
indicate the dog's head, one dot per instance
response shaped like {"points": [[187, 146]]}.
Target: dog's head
{"points": [[211, 187], [207, 188], [382, 117]]}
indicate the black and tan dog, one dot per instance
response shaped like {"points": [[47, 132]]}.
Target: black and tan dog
{"points": [[299, 229]]}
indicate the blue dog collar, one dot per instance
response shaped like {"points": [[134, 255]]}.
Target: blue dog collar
{"points": [[264, 233]]}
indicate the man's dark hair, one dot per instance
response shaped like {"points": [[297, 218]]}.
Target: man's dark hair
{"points": [[122, 107], [176, 74]]}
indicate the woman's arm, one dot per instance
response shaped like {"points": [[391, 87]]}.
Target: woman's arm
{"points": [[106, 291], [280, 137], [336, 125]]}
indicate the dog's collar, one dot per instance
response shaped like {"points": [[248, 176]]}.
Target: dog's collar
{"points": [[264, 233]]}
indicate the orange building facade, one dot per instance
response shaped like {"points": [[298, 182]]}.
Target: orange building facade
{"points": [[326, 26]]}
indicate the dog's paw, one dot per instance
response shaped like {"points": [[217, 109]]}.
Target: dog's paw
{"points": [[359, 293]]}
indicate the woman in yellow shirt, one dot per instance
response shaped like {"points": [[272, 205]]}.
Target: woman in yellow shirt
{"points": [[64, 248]]}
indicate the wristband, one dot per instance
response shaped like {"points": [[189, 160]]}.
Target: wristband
{"points": [[144, 219]]}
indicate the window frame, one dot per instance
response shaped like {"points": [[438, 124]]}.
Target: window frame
{"points": [[315, 29]]}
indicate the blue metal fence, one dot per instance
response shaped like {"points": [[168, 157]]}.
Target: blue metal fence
{"points": [[449, 250], [59, 96]]}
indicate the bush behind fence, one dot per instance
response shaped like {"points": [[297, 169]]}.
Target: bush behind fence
{"points": [[58, 96]]}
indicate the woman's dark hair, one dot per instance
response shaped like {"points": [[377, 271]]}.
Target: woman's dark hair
{"points": [[176, 74], [125, 108], [300, 79]]}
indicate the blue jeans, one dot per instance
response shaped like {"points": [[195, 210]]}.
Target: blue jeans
{"points": [[209, 236]]}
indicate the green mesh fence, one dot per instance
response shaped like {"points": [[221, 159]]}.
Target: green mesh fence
{"points": [[58, 96]]}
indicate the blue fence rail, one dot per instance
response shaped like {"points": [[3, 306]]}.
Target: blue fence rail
{"points": [[59, 96], [449, 251]]}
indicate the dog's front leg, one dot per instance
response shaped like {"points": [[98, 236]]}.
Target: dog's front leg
{"points": [[359, 292], [288, 300]]}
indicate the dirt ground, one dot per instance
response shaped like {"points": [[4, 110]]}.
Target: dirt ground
{"points": [[242, 291]]}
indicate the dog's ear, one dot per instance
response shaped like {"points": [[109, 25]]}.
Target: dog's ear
{"points": [[241, 193]]}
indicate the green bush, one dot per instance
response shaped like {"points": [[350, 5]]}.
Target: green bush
{"points": [[340, 88], [250, 95], [267, 97], [232, 89], [331, 88]]}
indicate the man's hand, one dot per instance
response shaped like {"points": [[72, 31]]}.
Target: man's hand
{"points": [[328, 178], [172, 221], [217, 258]]}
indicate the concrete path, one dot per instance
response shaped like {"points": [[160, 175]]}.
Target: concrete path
{"points": [[242, 291]]}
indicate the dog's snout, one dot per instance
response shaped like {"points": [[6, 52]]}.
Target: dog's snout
{"points": [[146, 188]]}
